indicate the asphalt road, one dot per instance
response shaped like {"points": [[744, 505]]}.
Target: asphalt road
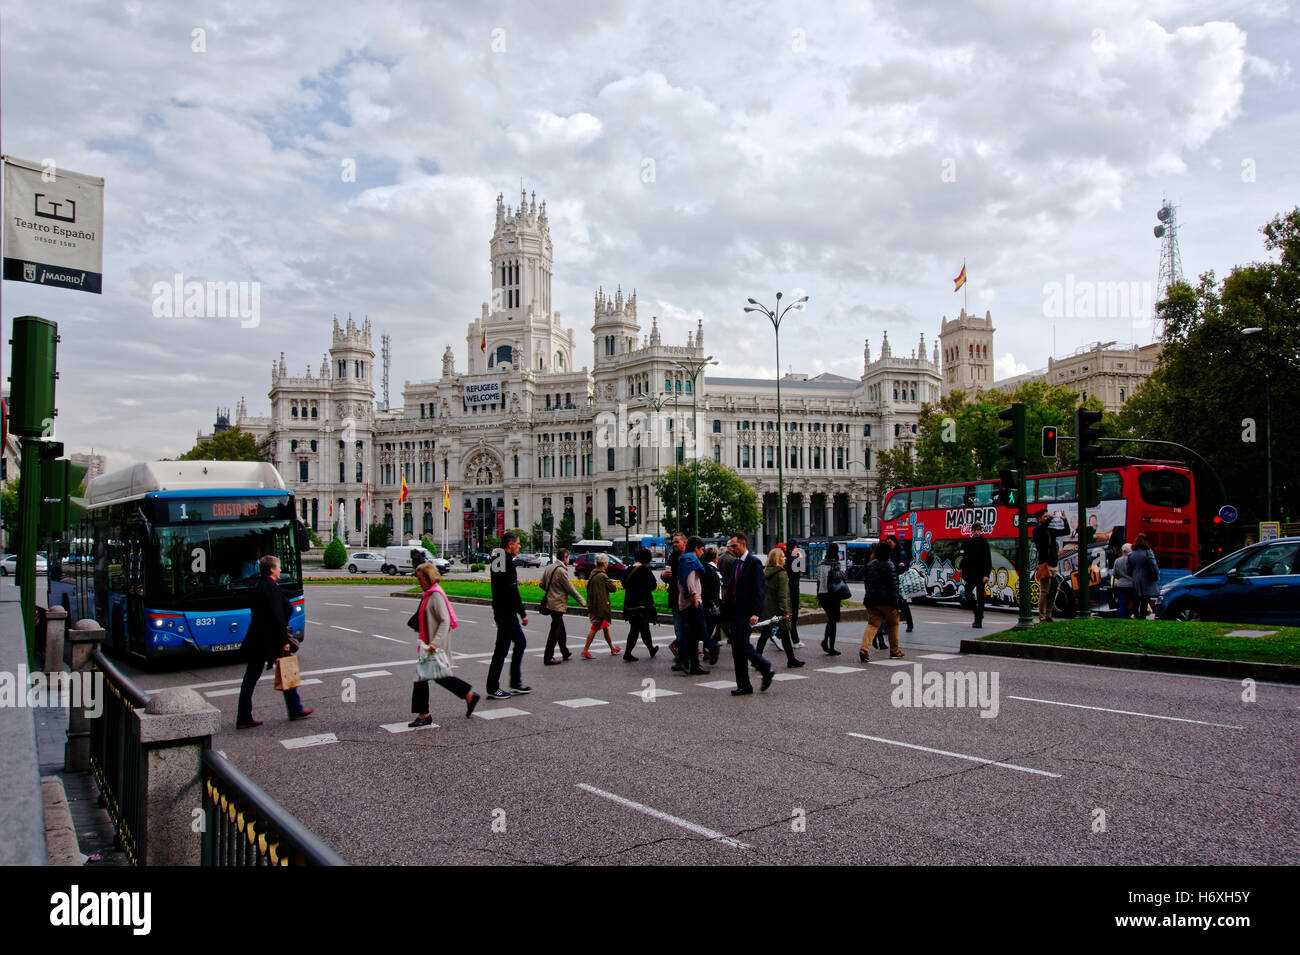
{"points": [[614, 762]]}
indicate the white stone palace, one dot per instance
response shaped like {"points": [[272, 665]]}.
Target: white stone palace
{"points": [[521, 431]]}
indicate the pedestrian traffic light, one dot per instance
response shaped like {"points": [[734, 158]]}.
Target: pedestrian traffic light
{"points": [[1007, 488], [1087, 435], [1013, 450], [1090, 488], [1049, 441], [631, 515], [60, 479], [620, 516]]}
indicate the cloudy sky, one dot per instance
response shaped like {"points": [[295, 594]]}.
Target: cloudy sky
{"points": [[701, 153]]}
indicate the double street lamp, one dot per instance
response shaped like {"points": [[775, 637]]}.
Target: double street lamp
{"points": [[774, 316], [693, 367], [656, 402]]}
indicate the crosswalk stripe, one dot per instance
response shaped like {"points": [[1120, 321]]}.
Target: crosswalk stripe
{"points": [[301, 742]]}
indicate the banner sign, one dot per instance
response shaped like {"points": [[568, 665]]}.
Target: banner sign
{"points": [[53, 226], [483, 393]]}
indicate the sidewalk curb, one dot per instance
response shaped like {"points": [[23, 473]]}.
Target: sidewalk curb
{"points": [[61, 846], [1192, 666]]}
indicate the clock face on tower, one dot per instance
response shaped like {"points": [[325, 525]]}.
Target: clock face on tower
{"points": [[510, 242]]}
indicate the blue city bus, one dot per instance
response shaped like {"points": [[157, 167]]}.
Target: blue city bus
{"points": [[173, 550]]}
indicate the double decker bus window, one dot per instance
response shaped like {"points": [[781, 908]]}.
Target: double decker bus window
{"points": [[896, 506], [1164, 488], [924, 499], [985, 494], [1112, 487], [952, 496]]}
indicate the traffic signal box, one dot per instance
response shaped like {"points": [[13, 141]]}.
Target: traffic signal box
{"points": [[1089, 491], [1012, 476], [632, 518], [620, 516], [31, 381], [1049, 441]]}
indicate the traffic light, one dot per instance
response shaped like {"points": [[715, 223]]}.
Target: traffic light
{"points": [[31, 402], [1007, 489], [1049, 441], [60, 479], [1087, 436], [620, 516], [1014, 450], [631, 515], [1090, 488]]}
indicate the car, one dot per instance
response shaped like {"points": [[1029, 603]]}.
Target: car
{"points": [[542, 559], [364, 562], [584, 564], [398, 558], [9, 565], [442, 564], [527, 560], [1257, 584], [477, 558]]}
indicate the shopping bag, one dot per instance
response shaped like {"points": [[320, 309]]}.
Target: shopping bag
{"points": [[433, 663], [286, 673], [911, 584]]}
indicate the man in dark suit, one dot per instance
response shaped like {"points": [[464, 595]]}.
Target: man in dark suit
{"points": [[976, 567], [744, 599], [508, 612], [267, 640]]}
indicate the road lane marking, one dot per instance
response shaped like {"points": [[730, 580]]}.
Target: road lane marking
{"points": [[380, 609], [314, 623], [231, 691], [891, 663], [940, 656], [840, 670], [335, 626], [320, 739], [719, 684], [944, 752], [787, 676], [403, 728], [337, 605], [1103, 709], [689, 826], [380, 636], [502, 713], [656, 693], [580, 702], [370, 673], [271, 676]]}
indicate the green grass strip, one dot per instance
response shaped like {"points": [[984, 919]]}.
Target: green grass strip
{"points": [[1201, 639]]}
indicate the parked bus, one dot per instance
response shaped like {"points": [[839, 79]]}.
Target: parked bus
{"points": [[173, 551], [1155, 498]]}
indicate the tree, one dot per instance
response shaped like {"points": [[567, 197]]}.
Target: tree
{"points": [[233, 444], [727, 503], [336, 555], [1208, 390], [591, 530], [377, 535], [564, 536], [537, 536], [10, 517]]}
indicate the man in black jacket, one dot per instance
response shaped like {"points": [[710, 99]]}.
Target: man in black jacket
{"points": [[976, 567], [1045, 536], [509, 613], [267, 641], [744, 597]]}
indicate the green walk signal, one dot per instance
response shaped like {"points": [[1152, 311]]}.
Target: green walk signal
{"points": [[1007, 487], [1087, 435], [1014, 450]]}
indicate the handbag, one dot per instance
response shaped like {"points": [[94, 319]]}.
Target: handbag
{"points": [[839, 587], [286, 673], [546, 593], [1043, 571], [911, 584], [432, 663]]}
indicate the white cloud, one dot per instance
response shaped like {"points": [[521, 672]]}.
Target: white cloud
{"points": [[1007, 367]]}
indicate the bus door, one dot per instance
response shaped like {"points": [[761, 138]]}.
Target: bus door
{"points": [[133, 562]]}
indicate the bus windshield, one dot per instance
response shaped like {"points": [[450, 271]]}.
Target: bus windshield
{"points": [[212, 559]]}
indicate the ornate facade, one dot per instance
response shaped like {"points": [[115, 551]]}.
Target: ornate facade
{"points": [[521, 431]]}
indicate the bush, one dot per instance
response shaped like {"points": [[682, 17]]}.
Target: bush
{"points": [[427, 543], [477, 568], [314, 538], [336, 555]]}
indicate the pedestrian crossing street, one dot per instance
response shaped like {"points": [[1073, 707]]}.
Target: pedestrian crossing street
{"points": [[488, 710]]}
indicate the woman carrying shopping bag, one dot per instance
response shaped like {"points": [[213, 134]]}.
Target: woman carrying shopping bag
{"points": [[436, 621], [832, 590]]}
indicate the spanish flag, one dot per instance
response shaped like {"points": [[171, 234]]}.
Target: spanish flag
{"points": [[446, 497], [482, 345], [960, 280], [401, 496]]}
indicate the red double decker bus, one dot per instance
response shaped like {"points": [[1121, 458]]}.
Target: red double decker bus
{"points": [[1155, 498]]}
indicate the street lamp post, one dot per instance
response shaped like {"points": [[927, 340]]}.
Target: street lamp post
{"points": [[657, 403], [1268, 413], [693, 367], [775, 316]]}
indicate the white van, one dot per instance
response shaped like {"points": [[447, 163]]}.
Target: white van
{"points": [[397, 558]]}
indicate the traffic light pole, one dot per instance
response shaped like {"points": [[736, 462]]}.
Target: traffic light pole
{"points": [[1083, 567], [1023, 571], [29, 509]]}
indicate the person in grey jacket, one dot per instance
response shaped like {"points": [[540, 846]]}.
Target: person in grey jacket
{"points": [[1146, 576], [1122, 579]]}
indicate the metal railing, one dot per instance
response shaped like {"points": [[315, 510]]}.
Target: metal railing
{"points": [[117, 758], [245, 826]]}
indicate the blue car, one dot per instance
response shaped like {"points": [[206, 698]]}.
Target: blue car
{"points": [[1257, 584]]}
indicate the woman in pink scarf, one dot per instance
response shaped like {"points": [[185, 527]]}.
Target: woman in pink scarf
{"points": [[437, 621]]}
